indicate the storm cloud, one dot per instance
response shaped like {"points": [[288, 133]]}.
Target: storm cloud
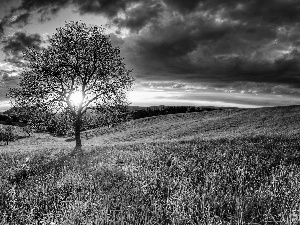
{"points": [[109, 8], [241, 45], [14, 46], [217, 42]]}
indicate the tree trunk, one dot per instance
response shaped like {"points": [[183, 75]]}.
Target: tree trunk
{"points": [[77, 127]]}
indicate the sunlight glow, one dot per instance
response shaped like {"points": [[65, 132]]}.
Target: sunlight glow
{"points": [[76, 98]]}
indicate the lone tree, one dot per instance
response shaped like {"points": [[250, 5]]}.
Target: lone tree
{"points": [[78, 71]]}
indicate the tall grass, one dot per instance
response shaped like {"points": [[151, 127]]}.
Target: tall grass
{"points": [[246, 180]]}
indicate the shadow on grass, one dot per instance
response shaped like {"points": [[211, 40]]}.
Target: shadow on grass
{"points": [[41, 165], [70, 140], [37, 192]]}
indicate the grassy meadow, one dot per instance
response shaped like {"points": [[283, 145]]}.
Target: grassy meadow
{"points": [[231, 166]]}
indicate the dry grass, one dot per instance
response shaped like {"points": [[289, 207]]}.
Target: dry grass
{"points": [[185, 179]]}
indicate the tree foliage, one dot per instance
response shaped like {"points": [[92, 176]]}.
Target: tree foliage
{"points": [[79, 59]]}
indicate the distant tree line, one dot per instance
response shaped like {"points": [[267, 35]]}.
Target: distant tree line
{"points": [[157, 111], [8, 119], [60, 124]]}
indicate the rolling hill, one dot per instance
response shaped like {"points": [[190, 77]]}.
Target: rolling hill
{"points": [[226, 123], [227, 166]]}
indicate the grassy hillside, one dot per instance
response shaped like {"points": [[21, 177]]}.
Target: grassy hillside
{"points": [[229, 123], [233, 166]]}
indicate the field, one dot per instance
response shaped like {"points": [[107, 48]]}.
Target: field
{"points": [[233, 166]]}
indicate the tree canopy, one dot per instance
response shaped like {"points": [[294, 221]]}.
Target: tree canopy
{"points": [[78, 71]]}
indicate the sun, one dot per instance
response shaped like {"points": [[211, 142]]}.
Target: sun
{"points": [[76, 98]]}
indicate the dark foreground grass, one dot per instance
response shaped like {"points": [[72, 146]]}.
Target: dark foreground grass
{"points": [[247, 180]]}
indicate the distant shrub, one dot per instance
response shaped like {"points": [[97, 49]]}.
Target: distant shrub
{"points": [[9, 121], [27, 129], [7, 134], [3, 117]]}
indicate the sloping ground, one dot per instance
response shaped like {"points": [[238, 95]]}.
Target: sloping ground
{"points": [[238, 166], [227, 123], [206, 125]]}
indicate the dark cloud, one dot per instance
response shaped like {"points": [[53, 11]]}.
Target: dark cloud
{"points": [[221, 43], [21, 20], [174, 45], [278, 12], [19, 41], [283, 70], [267, 11], [30, 5], [1, 29], [15, 44], [204, 68], [46, 9], [108, 7], [3, 24], [168, 40], [217, 42], [183, 6], [20, 14], [139, 16]]}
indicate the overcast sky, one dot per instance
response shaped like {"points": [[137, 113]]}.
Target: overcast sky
{"points": [[183, 52]]}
